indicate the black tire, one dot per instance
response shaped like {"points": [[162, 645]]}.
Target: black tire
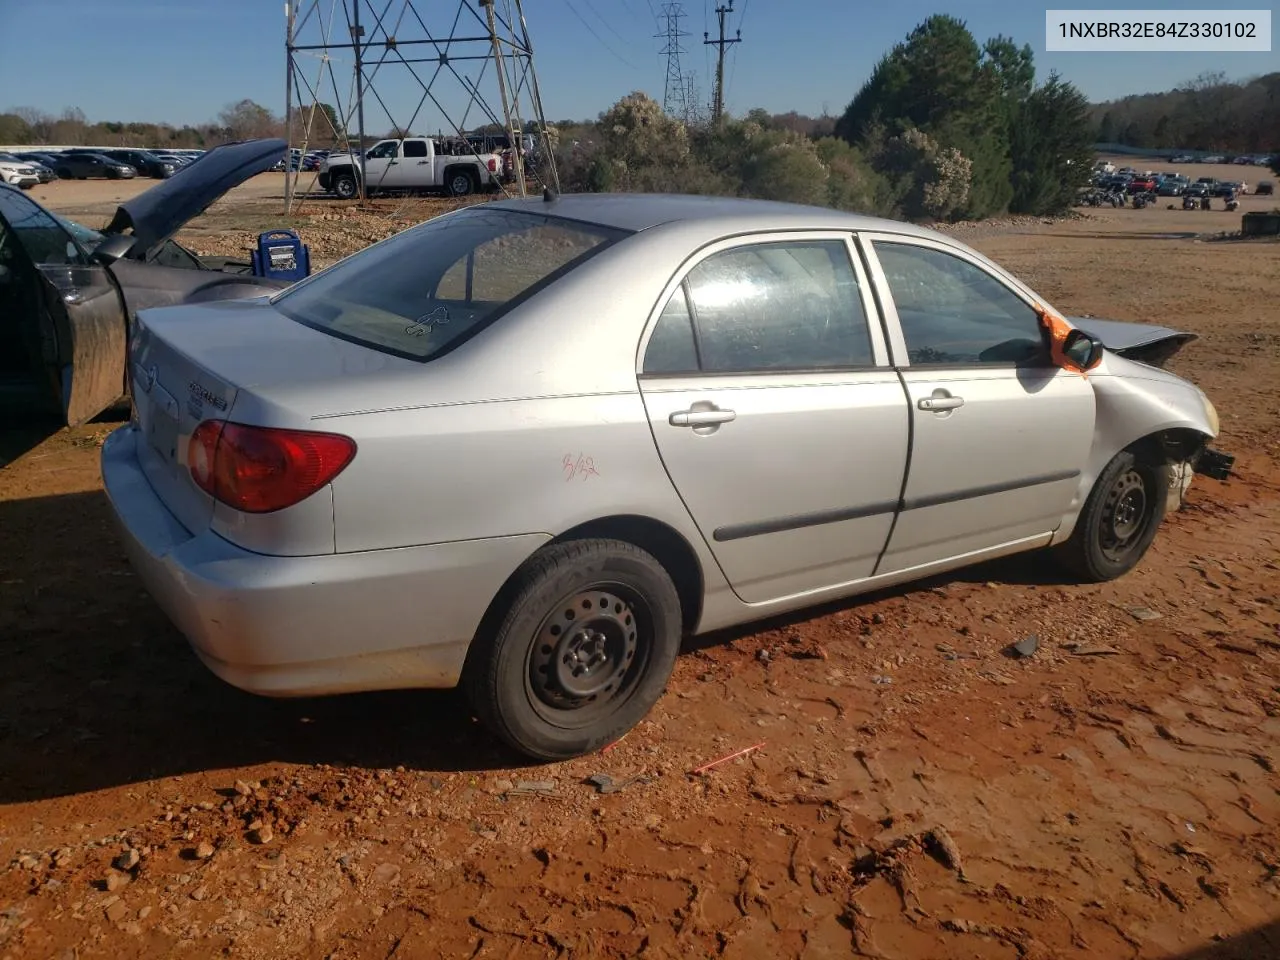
{"points": [[460, 183], [344, 187], [529, 675], [1119, 521]]}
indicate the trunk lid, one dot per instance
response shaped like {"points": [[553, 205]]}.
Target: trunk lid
{"points": [[155, 215], [233, 360]]}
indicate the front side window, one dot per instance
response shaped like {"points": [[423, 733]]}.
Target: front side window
{"points": [[424, 291], [382, 151], [792, 305], [955, 313]]}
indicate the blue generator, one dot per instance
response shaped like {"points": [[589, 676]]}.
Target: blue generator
{"points": [[281, 255]]}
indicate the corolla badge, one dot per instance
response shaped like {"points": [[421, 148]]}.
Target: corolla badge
{"points": [[206, 395]]}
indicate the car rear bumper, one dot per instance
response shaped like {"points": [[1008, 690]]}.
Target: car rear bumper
{"points": [[304, 626]]}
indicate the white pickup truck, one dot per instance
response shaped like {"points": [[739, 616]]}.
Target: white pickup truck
{"points": [[415, 164]]}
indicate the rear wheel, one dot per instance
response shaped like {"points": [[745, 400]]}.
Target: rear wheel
{"points": [[460, 183], [1119, 520], [581, 652]]}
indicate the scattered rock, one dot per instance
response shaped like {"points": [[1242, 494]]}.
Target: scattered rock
{"points": [[261, 834], [114, 881], [117, 911], [243, 788], [544, 787], [127, 860], [607, 784], [385, 873], [203, 851], [763, 655], [881, 679], [877, 618], [144, 913], [1143, 613], [199, 893], [1027, 646], [1094, 650]]}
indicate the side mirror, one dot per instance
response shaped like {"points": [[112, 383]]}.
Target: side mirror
{"points": [[113, 248], [1083, 350]]}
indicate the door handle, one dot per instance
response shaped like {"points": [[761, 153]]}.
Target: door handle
{"points": [[701, 418], [423, 163], [940, 403]]}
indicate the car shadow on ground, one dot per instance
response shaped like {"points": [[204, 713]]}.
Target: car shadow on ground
{"points": [[1260, 943], [98, 689]]}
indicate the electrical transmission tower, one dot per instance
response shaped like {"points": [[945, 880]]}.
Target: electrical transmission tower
{"points": [[675, 97], [469, 65], [717, 108]]}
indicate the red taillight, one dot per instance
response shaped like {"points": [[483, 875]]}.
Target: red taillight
{"points": [[493, 164], [261, 469]]}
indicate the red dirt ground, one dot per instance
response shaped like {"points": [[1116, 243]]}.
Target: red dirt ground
{"points": [[916, 793]]}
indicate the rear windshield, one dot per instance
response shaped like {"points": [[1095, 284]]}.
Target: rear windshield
{"points": [[428, 289]]}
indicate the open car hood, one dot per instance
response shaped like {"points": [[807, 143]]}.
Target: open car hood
{"points": [[1144, 342], [155, 215]]}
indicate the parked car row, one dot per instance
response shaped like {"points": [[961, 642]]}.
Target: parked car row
{"points": [[1127, 181], [1248, 160], [83, 163]]}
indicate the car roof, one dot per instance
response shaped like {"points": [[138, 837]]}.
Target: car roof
{"points": [[643, 211]]}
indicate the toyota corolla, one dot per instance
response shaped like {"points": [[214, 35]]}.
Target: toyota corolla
{"points": [[527, 446]]}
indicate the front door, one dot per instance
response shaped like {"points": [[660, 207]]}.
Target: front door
{"points": [[79, 316], [378, 166], [776, 414], [999, 434]]}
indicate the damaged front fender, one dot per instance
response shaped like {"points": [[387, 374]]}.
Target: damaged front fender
{"points": [[1158, 415]]}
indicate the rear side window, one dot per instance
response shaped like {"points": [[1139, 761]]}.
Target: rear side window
{"points": [[415, 148], [428, 289]]}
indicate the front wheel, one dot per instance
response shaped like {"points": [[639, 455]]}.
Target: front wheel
{"points": [[1119, 520], [344, 186], [581, 652]]}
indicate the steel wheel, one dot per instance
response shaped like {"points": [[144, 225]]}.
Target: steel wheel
{"points": [[588, 653], [1124, 517], [577, 648], [1119, 519]]}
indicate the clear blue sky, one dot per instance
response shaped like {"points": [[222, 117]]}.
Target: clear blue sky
{"points": [[183, 60]]}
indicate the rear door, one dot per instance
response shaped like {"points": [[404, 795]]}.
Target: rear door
{"points": [[999, 434], [411, 169], [81, 326], [775, 412]]}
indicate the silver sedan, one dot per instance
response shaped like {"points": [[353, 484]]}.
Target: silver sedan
{"points": [[527, 446]]}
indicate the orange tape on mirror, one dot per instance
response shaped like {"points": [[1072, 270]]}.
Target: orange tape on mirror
{"points": [[1059, 330]]}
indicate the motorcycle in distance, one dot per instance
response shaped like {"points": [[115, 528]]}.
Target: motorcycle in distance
{"points": [[1232, 203], [1144, 199]]}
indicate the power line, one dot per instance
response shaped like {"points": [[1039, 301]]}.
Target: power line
{"points": [[592, 31], [609, 26]]}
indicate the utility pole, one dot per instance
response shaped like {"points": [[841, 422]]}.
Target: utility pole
{"points": [[722, 11], [675, 99]]}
